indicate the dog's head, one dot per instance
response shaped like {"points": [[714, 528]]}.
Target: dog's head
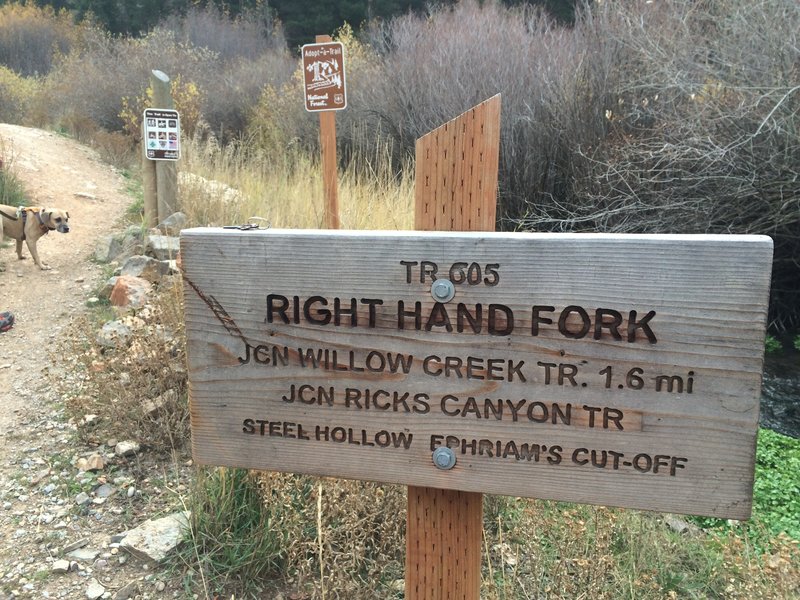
{"points": [[56, 219]]}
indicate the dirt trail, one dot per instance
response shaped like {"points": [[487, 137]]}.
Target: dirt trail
{"points": [[38, 515], [56, 172]]}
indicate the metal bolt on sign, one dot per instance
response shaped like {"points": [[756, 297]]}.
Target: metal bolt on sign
{"points": [[443, 290], [444, 458]]}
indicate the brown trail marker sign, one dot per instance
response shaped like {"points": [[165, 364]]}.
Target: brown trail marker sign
{"points": [[325, 91], [324, 75]]}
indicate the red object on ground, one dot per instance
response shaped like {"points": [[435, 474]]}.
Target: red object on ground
{"points": [[6, 321]]}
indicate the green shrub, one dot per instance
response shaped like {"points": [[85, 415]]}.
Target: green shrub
{"points": [[232, 535], [776, 492], [772, 345], [11, 191], [16, 95]]}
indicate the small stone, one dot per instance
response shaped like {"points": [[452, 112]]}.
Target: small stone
{"points": [[60, 566], [126, 448], [95, 590], [155, 539], [126, 591], [94, 462], [678, 525], [131, 491], [84, 554], [75, 545], [105, 491], [160, 586], [89, 419], [82, 498], [36, 479]]}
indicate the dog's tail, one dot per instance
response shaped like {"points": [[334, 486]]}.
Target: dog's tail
{"points": [[7, 216]]}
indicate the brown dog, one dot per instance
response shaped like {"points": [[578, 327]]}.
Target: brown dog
{"points": [[28, 224]]}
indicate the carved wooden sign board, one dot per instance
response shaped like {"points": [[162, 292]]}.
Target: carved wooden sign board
{"points": [[621, 370]]}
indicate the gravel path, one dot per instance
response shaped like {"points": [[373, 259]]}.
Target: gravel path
{"points": [[57, 520]]}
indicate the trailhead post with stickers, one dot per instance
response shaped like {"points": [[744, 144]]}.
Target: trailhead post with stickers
{"points": [[161, 149], [621, 370], [325, 92]]}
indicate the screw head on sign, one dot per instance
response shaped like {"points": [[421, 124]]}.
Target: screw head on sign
{"points": [[443, 290], [444, 458]]}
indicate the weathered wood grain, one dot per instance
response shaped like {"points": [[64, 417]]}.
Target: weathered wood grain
{"points": [[709, 295]]}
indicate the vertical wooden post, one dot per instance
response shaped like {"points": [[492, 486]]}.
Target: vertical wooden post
{"points": [[166, 170], [327, 142], [149, 188], [456, 190]]}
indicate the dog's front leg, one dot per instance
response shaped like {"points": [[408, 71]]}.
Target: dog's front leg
{"points": [[35, 255], [19, 250]]}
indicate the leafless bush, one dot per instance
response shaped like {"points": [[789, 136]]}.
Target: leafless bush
{"points": [[435, 68], [249, 52], [30, 37], [94, 80], [232, 92], [670, 116], [248, 35], [703, 130]]}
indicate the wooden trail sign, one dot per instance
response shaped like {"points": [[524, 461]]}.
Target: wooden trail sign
{"points": [[620, 370], [159, 162]]}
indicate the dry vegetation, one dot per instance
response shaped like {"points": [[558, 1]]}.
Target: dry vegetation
{"points": [[672, 116]]}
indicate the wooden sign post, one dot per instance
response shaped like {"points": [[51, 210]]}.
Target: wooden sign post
{"points": [[325, 93], [456, 190], [160, 177]]}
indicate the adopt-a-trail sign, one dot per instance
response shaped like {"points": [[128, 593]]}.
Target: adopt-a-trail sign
{"points": [[324, 84], [621, 370]]}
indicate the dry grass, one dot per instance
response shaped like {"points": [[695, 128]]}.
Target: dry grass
{"points": [[356, 527], [287, 193], [346, 539]]}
